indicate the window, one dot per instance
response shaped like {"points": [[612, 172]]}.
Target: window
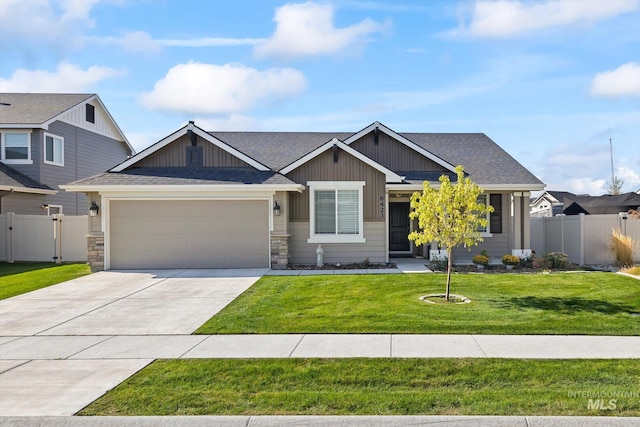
{"points": [[494, 219], [336, 212], [16, 147], [90, 113], [53, 150]]}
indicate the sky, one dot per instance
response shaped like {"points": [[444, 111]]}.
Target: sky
{"points": [[550, 81]]}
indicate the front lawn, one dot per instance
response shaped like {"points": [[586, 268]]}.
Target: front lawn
{"points": [[20, 278], [565, 303], [377, 387]]}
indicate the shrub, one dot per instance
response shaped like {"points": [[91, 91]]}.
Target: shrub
{"points": [[440, 263], [481, 260], [510, 260], [540, 263], [557, 260], [623, 248], [527, 261]]}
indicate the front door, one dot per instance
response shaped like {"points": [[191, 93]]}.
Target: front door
{"points": [[399, 227]]}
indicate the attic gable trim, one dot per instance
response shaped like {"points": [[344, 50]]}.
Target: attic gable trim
{"points": [[410, 144], [17, 189], [390, 175], [181, 132]]}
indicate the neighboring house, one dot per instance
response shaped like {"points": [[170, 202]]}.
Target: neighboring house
{"points": [[52, 139], [265, 199], [600, 205], [549, 203]]}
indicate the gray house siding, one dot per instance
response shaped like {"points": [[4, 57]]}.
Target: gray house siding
{"points": [[27, 204], [174, 155], [85, 154], [302, 252], [498, 244], [394, 155], [347, 168]]}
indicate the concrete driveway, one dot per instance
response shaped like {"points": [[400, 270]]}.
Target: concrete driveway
{"points": [[160, 302], [47, 326]]}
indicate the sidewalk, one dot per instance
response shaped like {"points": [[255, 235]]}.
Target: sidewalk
{"points": [[136, 347]]}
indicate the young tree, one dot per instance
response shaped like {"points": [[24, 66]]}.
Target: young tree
{"points": [[449, 216], [614, 187]]}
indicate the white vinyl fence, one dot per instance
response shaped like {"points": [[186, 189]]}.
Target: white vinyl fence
{"points": [[56, 238], [584, 238]]}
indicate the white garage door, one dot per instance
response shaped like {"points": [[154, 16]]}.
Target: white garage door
{"points": [[189, 234]]}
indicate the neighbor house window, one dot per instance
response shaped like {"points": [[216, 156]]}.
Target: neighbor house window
{"points": [[336, 212], [90, 111], [494, 219], [53, 150], [16, 147]]}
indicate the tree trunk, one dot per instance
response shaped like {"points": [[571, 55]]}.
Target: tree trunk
{"points": [[449, 251]]}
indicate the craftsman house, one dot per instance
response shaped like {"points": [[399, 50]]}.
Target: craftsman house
{"points": [[201, 199]]}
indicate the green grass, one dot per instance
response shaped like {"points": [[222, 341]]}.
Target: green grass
{"points": [[375, 387], [20, 278], [568, 303]]}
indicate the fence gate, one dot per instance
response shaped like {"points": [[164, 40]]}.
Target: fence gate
{"points": [[55, 238]]}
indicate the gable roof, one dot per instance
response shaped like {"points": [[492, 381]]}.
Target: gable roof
{"points": [[13, 181], [335, 142], [39, 110], [400, 138], [190, 127], [556, 195]]}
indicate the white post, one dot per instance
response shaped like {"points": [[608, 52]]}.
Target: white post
{"points": [[319, 253], [582, 223]]}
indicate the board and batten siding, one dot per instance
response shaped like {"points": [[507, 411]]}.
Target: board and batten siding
{"points": [[347, 168], [174, 155], [304, 253], [102, 125], [394, 155], [498, 244]]}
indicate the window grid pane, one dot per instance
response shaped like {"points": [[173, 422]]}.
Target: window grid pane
{"points": [[348, 215], [325, 212]]}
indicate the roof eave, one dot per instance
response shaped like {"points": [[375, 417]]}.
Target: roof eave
{"points": [[224, 188], [27, 190]]}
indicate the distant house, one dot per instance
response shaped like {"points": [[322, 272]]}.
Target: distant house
{"points": [[200, 199], [51, 139], [549, 203], [599, 205]]}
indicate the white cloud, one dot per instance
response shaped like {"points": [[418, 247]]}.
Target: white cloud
{"points": [[630, 177], [623, 81], [221, 89], [307, 29], [66, 78], [504, 18], [35, 25]]}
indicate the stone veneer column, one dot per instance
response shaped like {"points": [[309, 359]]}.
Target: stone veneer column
{"points": [[95, 251], [279, 251]]}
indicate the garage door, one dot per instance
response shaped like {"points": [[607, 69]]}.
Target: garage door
{"points": [[189, 234]]}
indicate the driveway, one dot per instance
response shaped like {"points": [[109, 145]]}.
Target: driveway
{"points": [[160, 302], [41, 330]]}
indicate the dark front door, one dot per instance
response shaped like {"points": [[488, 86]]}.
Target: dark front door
{"points": [[398, 227]]}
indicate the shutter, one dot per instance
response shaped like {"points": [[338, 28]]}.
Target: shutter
{"points": [[495, 220], [348, 215], [325, 212]]}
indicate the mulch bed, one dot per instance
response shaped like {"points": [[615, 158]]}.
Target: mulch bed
{"points": [[497, 269], [352, 266]]}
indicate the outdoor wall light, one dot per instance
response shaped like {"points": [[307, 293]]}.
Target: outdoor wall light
{"points": [[94, 209], [276, 208]]}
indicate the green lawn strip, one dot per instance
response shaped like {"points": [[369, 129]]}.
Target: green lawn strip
{"points": [[570, 303], [20, 278], [376, 387]]}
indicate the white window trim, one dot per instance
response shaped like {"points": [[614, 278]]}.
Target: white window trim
{"points": [[335, 238], [44, 149], [28, 160], [487, 233]]}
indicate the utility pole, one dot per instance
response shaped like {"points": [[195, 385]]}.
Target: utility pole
{"points": [[613, 182]]}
